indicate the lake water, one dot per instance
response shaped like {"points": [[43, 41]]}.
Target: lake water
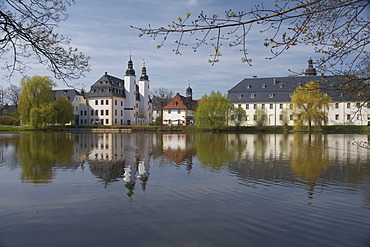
{"points": [[209, 190]]}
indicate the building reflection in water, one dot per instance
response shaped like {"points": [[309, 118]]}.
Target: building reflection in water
{"points": [[111, 157]]}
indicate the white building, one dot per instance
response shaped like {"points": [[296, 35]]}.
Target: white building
{"points": [[113, 101], [274, 95], [180, 110]]}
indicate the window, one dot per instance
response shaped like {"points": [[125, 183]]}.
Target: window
{"points": [[96, 112], [249, 86], [240, 96], [336, 116], [247, 118], [115, 112], [178, 111], [96, 102], [115, 102], [368, 105], [121, 113], [107, 102], [121, 103], [368, 116], [348, 116], [336, 105], [253, 95], [81, 113], [102, 112], [271, 106], [291, 117], [247, 106], [348, 105], [115, 121], [263, 106], [102, 102], [359, 117], [76, 108], [291, 106], [107, 112], [281, 117], [175, 103], [358, 105], [92, 112], [169, 111], [281, 106], [254, 106], [254, 117], [239, 106], [106, 121], [271, 95], [263, 85]]}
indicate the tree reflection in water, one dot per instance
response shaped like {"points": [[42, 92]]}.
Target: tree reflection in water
{"points": [[310, 159], [39, 152]]}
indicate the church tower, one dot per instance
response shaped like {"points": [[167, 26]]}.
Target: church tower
{"points": [[189, 93], [145, 112], [130, 91], [311, 71]]}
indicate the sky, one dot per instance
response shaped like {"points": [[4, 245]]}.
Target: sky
{"points": [[101, 30]]}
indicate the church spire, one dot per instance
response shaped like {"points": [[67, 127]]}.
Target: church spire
{"points": [[130, 68], [310, 69], [144, 76], [189, 92]]}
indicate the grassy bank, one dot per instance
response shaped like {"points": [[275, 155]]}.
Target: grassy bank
{"points": [[338, 129]]}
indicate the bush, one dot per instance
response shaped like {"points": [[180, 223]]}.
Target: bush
{"points": [[8, 120]]}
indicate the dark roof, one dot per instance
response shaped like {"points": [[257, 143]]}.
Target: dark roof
{"points": [[280, 88], [181, 102], [69, 93], [108, 85]]}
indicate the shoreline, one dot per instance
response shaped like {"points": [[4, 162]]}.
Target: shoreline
{"points": [[336, 129]]}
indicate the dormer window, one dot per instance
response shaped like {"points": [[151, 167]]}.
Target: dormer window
{"points": [[281, 86], [240, 96], [263, 85], [253, 95], [175, 103], [271, 95], [249, 86]]}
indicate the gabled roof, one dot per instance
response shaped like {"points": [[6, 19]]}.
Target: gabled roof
{"points": [[279, 89], [181, 102], [108, 85]]}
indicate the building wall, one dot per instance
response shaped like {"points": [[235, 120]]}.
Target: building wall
{"points": [[340, 113], [174, 116]]}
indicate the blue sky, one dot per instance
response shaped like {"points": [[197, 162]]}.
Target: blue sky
{"points": [[101, 30]]}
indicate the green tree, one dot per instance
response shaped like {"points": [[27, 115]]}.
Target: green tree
{"points": [[213, 111], [310, 106], [35, 99], [27, 31], [260, 118], [63, 110], [238, 116]]}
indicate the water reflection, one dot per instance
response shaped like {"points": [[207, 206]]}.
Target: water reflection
{"points": [[128, 157]]}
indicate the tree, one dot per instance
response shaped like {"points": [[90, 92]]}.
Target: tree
{"points": [[339, 30], [238, 116], [310, 106], [260, 118], [27, 32], [63, 110], [161, 96], [213, 111], [35, 100], [11, 94]]}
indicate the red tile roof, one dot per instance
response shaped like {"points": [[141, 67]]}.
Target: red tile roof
{"points": [[181, 102]]}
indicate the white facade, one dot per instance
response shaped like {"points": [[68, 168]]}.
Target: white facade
{"points": [[113, 101], [339, 113]]}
